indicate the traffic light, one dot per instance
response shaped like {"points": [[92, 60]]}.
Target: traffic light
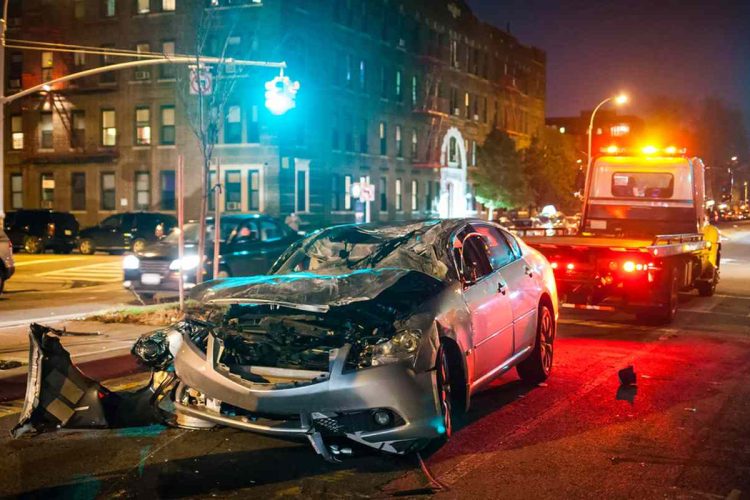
{"points": [[280, 94]]}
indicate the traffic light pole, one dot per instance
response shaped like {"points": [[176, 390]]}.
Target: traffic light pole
{"points": [[46, 86]]}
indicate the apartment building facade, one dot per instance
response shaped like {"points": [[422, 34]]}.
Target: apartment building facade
{"points": [[395, 93]]}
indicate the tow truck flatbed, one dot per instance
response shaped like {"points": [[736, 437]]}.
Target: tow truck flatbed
{"points": [[661, 245]]}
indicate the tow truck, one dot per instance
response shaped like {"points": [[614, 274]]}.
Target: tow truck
{"points": [[643, 237]]}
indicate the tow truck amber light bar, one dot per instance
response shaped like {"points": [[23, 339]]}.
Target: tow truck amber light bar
{"points": [[615, 150]]}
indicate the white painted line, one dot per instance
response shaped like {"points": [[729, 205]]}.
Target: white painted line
{"points": [[56, 319], [40, 261]]}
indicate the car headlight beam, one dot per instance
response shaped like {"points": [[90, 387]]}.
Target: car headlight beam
{"points": [[188, 263], [131, 262]]}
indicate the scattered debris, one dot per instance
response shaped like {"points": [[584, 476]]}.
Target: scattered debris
{"points": [[9, 365], [691, 409], [627, 375], [542, 384]]}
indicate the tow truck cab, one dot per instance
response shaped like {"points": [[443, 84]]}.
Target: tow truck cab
{"points": [[643, 238]]}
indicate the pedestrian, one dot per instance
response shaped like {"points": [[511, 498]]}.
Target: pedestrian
{"points": [[292, 220]]}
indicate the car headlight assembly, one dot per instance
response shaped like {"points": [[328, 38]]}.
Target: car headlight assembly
{"points": [[187, 263], [401, 347], [131, 262]]}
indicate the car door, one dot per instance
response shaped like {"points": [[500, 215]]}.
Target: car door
{"points": [[505, 256], [244, 255], [109, 232], [486, 296]]}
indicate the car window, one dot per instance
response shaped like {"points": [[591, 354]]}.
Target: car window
{"points": [[112, 222], [269, 231], [245, 231], [472, 255], [514, 246], [501, 253]]}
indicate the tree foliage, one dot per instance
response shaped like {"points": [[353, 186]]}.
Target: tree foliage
{"points": [[500, 178], [549, 164]]}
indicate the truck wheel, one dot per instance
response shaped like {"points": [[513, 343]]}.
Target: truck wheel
{"points": [[664, 314], [536, 368], [706, 288]]}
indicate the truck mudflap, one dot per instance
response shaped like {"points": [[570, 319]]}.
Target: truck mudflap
{"points": [[59, 395]]}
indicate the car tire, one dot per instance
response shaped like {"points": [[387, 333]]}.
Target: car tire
{"points": [[707, 288], [2, 280], [138, 245], [537, 367], [87, 247], [445, 398], [33, 244]]}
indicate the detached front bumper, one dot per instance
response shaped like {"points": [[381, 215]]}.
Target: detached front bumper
{"points": [[341, 403]]}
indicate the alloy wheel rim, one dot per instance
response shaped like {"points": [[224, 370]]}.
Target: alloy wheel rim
{"points": [[546, 338], [138, 246], [85, 246], [445, 395]]}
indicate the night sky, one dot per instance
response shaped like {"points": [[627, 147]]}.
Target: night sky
{"points": [[595, 48]]}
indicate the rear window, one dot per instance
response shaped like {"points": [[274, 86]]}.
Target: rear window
{"points": [[646, 185]]}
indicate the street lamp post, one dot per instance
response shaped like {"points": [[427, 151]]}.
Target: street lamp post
{"points": [[618, 99]]}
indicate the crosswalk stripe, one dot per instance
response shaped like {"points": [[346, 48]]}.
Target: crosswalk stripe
{"points": [[105, 272]]}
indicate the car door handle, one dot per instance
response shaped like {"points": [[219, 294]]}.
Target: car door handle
{"points": [[527, 271], [502, 288]]}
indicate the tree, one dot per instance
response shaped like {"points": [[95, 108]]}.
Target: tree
{"points": [[550, 166], [500, 178]]}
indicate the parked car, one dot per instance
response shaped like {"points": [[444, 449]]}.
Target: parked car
{"points": [[249, 245], [7, 266], [38, 230], [125, 231], [368, 333]]}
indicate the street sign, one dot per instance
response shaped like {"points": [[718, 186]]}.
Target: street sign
{"points": [[201, 81]]}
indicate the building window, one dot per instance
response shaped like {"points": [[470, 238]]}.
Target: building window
{"points": [[619, 130], [78, 191], [167, 133], [253, 127], [384, 82], [48, 61], [348, 77], [383, 139], [414, 195], [362, 75], [302, 186], [233, 125], [473, 153], [142, 72], [16, 132], [107, 191], [168, 5], [78, 134], [347, 192], [253, 190], [383, 194], [109, 128], [46, 130], [452, 150], [454, 109], [335, 192], [233, 191], [15, 70], [16, 191], [363, 146], [467, 105], [109, 8], [142, 190], [399, 142], [414, 144], [143, 6], [454, 53], [48, 190], [414, 90], [167, 71], [79, 9], [142, 126], [399, 76], [428, 197], [107, 76], [167, 190], [399, 197], [349, 134]]}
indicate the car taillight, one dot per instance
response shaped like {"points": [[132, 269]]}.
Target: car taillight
{"points": [[570, 266], [51, 229], [554, 265]]}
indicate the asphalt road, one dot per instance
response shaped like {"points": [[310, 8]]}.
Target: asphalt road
{"points": [[48, 286], [682, 433]]}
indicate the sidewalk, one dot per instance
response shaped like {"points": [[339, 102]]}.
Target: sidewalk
{"points": [[104, 355]]}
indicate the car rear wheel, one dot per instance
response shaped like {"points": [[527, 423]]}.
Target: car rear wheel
{"points": [[537, 367], [32, 244], [86, 247], [139, 245]]}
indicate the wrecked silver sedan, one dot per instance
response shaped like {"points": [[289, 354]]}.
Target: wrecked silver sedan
{"points": [[363, 333]]}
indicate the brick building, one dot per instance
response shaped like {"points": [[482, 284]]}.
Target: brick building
{"points": [[396, 92]]}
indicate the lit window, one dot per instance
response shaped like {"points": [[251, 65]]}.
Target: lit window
{"points": [[473, 153], [48, 62], [143, 6], [453, 150], [399, 198], [142, 126], [383, 139], [398, 84], [167, 135], [414, 195], [79, 9], [48, 190], [109, 8], [46, 130], [414, 144], [362, 75], [233, 191], [347, 192], [399, 143], [108, 191], [142, 190], [16, 132], [109, 128], [253, 190], [620, 129], [302, 186], [168, 5], [414, 90]]}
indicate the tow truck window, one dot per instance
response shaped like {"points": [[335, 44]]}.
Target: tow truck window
{"points": [[646, 185]]}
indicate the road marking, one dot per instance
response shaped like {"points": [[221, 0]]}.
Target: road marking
{"points": [[56, 319], [106, 272], [42, 261]]}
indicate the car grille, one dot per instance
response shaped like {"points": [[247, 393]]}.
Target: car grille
{"points": [[155, 266]]}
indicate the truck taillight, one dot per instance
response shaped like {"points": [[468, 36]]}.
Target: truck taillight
{"points": [[554, 265]]}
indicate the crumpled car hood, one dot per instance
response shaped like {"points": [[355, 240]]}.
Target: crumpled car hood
{"points": [[312, 290]]}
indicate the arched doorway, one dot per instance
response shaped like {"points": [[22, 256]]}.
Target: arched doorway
{"points": [[452, 175]]}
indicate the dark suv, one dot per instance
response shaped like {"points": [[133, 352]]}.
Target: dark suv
{"points": [[38, 230], [126, 231]]}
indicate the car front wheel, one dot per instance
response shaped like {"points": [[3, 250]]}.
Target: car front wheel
{"points": [[537, 367], [86, 247], [32, 244], [444, 392]]}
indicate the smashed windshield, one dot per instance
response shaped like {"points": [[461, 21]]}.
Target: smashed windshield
{"points": [[347, 248]]}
